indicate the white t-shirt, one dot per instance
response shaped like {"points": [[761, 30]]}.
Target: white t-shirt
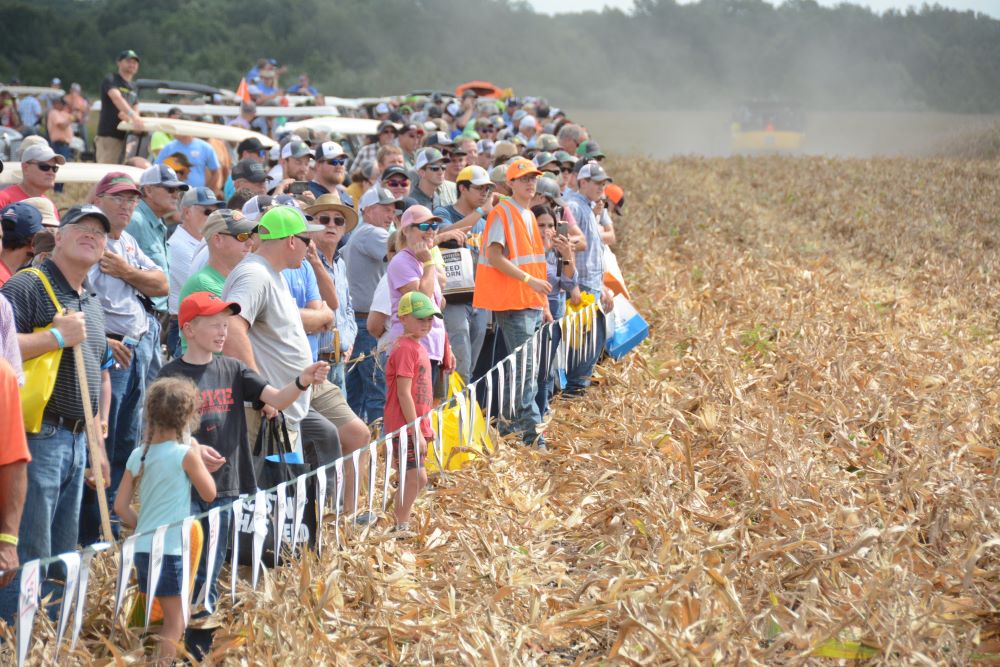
{"points": [[180, 249], [382, 303], [277, 336], [199, 258]]}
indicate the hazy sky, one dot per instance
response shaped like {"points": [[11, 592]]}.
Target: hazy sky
{"points": [[991, 7]]}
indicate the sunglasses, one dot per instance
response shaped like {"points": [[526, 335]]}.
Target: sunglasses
{"points": [[304, 239], [209, 210], [398, 184], [170, 190], [336, 219], [242, 237], [336, 162], [427, 226], [436, 168], [45, 166], [565, 170], [483, 188]]}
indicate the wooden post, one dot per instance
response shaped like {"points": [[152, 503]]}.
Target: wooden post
{"points": [[92, 447]]}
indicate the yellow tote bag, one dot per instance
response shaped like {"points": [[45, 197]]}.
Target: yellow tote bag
{"points": [[40, 372], [454, 450]]}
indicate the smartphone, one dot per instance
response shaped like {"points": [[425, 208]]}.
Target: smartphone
{"points": [[298, 187], [562, 229]]}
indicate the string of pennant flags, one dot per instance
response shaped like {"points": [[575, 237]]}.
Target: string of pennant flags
{"points": [[579, 340]]}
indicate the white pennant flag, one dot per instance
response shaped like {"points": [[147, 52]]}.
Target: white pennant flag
{"points": [[372, 456], [593, 333], [501, 390], [27, 605], [464, 425], [237, 523], [570, 333], [320, 506], [155, 566], [124, 572], [301, 496], [356, 460], [388, 471], [279, 520], [525, 353], [72, 562], [514, 393], [404, 441], [489, 397], [259, 533], [439, 439], [213, 545], [81, 590], [186, 525], [338, 466], [536, 349]]}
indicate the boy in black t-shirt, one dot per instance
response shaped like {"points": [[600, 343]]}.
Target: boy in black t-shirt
{"points": [[225, 384]]}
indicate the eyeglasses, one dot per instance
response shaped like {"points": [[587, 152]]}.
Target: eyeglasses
{"points": [[122, 200], [340, 221], [90, 231], [436, 168], [304, 239], [336, 162], [45, 166], [427, 226], [404, 183]]}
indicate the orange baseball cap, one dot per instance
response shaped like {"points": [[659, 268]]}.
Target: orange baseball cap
{"points": [[614, 193], [520, 168], [203, 303]]}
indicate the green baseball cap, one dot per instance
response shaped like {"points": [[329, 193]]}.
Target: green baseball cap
{"points": [[418, 304], [281, 222]]}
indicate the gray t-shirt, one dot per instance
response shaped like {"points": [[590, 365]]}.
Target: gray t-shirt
{"points": [[124, 314], [278, 338], [365, 258]]}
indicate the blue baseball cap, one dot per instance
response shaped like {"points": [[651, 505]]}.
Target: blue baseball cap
{"points": [[200, 197], [20, 221], [161, 174]]}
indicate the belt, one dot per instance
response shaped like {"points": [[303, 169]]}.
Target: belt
{"points": [[358, 313], [74, 426], [328, 356]]}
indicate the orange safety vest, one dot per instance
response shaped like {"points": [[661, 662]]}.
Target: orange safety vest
{"points": [[497, 291]]}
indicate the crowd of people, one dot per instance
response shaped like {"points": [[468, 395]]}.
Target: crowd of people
{"points": [[337, 287]]}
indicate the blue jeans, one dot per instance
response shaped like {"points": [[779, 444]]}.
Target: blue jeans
{"points": [[578, 374], [128, 387], [225, 528], [173, 339], [337, 376], [466, 327], [151, 351], [551, 337], [365, 379], [51, 514], [516, 327]]}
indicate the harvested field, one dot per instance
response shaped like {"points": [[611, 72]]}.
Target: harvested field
{"points": [[799, 466]]}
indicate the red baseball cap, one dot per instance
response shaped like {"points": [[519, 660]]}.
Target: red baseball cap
{"points": [[199, 304], [115, 182]]}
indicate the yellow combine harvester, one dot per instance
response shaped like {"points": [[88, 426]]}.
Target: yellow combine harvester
{"points": [[767, 127]]}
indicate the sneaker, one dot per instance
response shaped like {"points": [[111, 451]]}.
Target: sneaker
{"points": [[365, 519]]}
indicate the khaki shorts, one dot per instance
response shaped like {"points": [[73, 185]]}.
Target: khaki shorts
{"points": [[253, 428], [110, 150], [329, 401]]}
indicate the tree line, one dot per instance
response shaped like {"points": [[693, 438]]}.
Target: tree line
{"points": [[707, 54]]}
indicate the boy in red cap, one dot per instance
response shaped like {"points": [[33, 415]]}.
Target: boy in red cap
{"points": [[225, 383]]}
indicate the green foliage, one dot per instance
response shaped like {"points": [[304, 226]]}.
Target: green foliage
{"points": [[662, 54]]}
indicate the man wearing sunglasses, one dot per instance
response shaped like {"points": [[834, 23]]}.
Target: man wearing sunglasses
{"points": [[39, 164], [430, 167], [331, 170], [197, 205], [386, 136]]}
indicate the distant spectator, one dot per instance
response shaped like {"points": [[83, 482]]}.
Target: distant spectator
{"points": [[20, 223], [119, 101], [204, 163], [302, 87], [39, 164]]}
